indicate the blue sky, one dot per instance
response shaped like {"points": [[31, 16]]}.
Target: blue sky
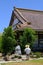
{"points": [[6, 7]]}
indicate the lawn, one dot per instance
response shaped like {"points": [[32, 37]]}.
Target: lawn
{"points": [[30, 62]]}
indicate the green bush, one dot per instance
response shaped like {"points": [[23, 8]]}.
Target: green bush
{"points": [[17, 56], [0, 43], [42, 54], [38, 54], [8, 40], [28, 37], [35, 54]]}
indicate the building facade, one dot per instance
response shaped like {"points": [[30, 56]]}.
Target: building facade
{"points": [[22, 18]]}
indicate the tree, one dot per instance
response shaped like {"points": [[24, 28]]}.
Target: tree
{"points": [[28, 37], [0, 42], [8, 40]]}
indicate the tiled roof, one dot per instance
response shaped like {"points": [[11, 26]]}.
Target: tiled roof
{"points": [[32, 16]]}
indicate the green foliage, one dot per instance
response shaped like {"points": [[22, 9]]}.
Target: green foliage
{"points": [[38, 54], [29, 34], [17, 56], [0, 42], [28, 37], [42, 54], [8, 40], [35, 54]]}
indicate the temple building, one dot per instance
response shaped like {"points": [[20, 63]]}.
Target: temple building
{"points": [[22, 18]]}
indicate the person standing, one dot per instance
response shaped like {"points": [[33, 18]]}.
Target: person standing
{"points": [[18, 50], [27, 51]]}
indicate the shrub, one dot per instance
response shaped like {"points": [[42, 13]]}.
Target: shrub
{"points": [[17, 56], [35, 54], [8, 40], [28, 37], [42, 54], [38, 54], [0, 43]]}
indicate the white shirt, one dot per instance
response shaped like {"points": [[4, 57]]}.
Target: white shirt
{"points": [[27, 50], [18, 49]]}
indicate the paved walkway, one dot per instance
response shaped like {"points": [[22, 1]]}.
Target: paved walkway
{"points": [[19, 60]]}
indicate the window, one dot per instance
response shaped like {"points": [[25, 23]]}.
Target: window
{"points": [[15, 22], [13, 27]]}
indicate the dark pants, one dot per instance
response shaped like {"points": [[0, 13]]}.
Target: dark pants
{"points": [[27, 56]]}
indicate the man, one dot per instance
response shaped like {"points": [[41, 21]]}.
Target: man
{"points": [[18, 50], [27, 51]]}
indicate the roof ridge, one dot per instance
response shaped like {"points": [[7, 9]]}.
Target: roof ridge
{"points": [[29, 9], [21, 15]]}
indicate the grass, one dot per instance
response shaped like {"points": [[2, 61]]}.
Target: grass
{"points": [[30, 62]]}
